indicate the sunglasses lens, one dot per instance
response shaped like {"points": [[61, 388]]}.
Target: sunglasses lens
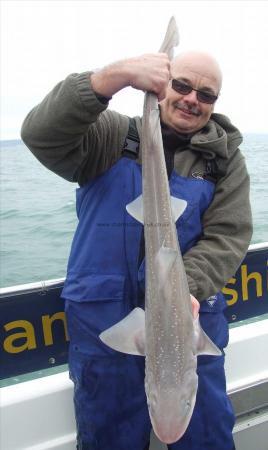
{"points": [[180, 87], [185, 89], [206, 97]]}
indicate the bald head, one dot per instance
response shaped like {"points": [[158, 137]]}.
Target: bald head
{"points": [[188, 111], [198, 62]]}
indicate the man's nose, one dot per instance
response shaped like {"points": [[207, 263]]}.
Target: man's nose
{"points": [[191, 97]]}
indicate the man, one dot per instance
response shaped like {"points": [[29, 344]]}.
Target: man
{"points": [[74, 134]]}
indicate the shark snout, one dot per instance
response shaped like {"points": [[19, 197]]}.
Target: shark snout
{"points": [[170, 419], [170, 430]]}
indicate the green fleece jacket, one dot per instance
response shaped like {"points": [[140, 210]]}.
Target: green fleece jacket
{"points": [[74, 134]]}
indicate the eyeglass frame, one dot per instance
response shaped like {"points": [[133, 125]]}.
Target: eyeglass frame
{"points": [[214, 98]]}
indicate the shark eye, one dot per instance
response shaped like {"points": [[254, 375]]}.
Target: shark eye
{"points": [[188, 404]]}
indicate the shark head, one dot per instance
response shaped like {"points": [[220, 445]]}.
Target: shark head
{"points": [[171, 413]]}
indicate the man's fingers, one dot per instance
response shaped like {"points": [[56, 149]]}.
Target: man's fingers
{"points": [[195, 306], [150, 73]]}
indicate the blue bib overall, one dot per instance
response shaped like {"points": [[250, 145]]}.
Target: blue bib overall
{"points": [[104, 283]]}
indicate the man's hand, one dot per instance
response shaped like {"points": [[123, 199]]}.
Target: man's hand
{"points": [[195, 306], [148, 72]]}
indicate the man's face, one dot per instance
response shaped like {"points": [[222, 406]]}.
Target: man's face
{"points": [[185, 113]]}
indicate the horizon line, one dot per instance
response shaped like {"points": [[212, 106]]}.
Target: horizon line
{"points": [[242, 132]]}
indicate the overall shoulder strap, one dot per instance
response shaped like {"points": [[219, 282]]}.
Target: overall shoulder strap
{"points": [[132, 142], [216, 168]]}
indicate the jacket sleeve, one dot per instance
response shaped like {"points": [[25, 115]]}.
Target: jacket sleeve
{"points": [[227, 230], [72, 133]]}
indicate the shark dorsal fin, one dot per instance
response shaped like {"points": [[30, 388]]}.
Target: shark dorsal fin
{"points": [[164, 261]]}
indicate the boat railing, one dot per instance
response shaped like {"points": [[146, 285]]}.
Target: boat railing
{"points": [[33, 324]]}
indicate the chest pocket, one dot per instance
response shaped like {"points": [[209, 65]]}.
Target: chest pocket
{"points": [[198, 194]]}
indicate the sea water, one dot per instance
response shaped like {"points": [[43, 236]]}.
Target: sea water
{"points": [[38, 216]]}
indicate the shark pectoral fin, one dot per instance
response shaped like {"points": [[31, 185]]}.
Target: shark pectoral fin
{"points": [[128, 335], [204, 345], [178, 207], [135, 209]]}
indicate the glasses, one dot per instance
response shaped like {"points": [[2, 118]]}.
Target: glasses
{"points": [[185, 89]]}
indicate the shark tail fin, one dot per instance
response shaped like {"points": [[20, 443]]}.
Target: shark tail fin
{"points": [[171, 39], [128, 335], [204, 345]]}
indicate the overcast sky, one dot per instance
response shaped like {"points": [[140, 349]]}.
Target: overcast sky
{"points": [[43, 41]]}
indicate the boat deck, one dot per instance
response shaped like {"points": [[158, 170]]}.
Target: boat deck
{"points": [[45, 402]]}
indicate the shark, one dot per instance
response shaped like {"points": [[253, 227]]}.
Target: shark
{"points": [[166, 332]]}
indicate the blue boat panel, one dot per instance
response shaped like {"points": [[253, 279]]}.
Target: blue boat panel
{"points": [[33, 329], [33, 332], [247, 292]]}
